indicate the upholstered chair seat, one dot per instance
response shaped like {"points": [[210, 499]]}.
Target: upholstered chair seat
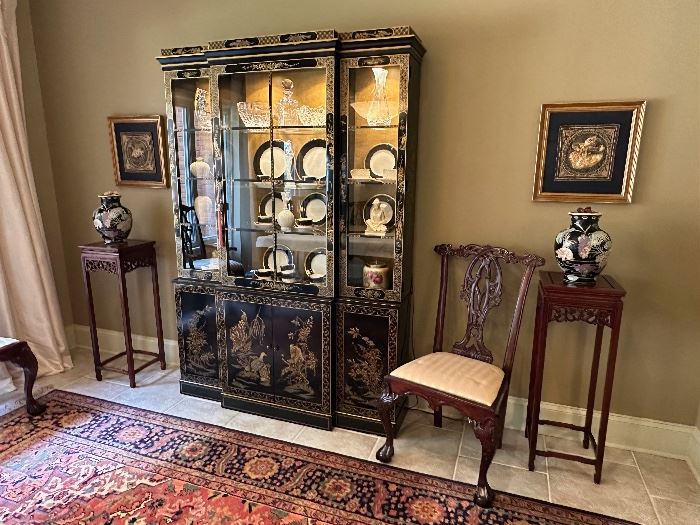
{"points": [[4, 341], [456, 375]]}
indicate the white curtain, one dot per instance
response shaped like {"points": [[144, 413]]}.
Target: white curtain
{"points": [[29, 308]]}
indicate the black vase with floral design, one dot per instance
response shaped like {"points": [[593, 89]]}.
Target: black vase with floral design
{"points": [[582, 249], [112, 220]]}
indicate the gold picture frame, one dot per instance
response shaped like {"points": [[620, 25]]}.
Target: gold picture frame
{"points": [[138, 153], [587, 151]]}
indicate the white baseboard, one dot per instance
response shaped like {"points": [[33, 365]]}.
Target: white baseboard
{"points": [[635, 433], [112, 342], [694, 452]]}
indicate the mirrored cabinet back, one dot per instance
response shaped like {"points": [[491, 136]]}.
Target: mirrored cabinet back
{"points": [[293, 166]]}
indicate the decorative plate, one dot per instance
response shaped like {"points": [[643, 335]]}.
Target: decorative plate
{"points": [[280, 152], [381, 157], [265, 206], [311, 161], [389, 211], [314, 207], [315, 264], [284, 257]]}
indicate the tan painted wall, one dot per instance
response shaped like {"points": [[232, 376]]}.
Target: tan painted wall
{"points": [[489, 67]]}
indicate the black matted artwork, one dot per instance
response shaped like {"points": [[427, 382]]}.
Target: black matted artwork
{"points": [[587, 152], [137, 151]]}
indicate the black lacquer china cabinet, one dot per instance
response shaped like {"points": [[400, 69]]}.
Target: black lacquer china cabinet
{"points": [[293, 163]]}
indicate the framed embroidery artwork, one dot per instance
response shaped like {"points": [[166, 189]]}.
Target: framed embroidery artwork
{"points": [[587, 152], [137, 151]]}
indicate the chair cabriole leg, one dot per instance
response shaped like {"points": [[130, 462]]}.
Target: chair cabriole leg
{"points": [[25, 359], [384, 405], [437, 417], [485, 431]]}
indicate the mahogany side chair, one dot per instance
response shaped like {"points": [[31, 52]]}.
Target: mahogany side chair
{"points": [[464, 377]]}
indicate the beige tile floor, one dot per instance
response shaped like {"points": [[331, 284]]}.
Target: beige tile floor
{"points": [[641, 487]]}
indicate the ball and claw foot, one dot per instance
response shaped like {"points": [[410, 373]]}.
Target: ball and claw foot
{"points": [[385, 453], [484, 497], [34, 408]]}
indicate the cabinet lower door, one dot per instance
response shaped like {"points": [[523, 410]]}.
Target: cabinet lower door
{"points": [[197, 341], [246, 334], [278, 360], [302, 355], [370, 339]]}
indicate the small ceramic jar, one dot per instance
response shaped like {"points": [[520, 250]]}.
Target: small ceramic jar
{"points": [[375, 275]]}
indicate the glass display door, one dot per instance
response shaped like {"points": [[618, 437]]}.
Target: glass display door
{"points": [[374, 106], [194, 187], [276, 160]]}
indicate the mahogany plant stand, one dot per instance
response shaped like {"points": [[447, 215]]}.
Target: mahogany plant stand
{"points": [[19, 353], [599, 304], [119, 259]]}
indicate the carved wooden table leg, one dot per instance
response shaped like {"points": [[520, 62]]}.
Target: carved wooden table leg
{"points": [[156, 307], [93, 323], [126, 321], [590, 405], [20, 354]]}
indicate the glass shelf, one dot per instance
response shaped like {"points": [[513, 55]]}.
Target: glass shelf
{"points": [[200, 225], [277, 130], [372, 181], [190, 178], [378, 128], [363, 235], [192, 130], [279, 184], [295, 241], [318, 232], [255, 229], [278, 279]]}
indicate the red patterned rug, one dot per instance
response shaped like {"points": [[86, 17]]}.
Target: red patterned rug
{"points": [[91, 461]]}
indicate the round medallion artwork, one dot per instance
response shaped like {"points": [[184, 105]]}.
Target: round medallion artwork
{"points": [[586, 152], [139, 152]]}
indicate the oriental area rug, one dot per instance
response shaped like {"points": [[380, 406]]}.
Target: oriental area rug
{"points": [[89, 461]]}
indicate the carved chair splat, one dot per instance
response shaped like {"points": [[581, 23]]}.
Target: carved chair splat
{"points": [[465, 377]]}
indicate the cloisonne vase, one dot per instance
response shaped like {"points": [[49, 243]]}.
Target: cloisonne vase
{"points": [[112, 220], [582, 249]]}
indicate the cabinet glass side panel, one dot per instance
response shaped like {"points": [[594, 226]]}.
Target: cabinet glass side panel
{"points": [[191, 100], [302, 175], [372, 156]]}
